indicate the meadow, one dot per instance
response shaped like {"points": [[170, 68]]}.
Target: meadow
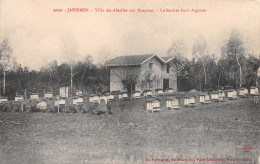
{"points": [[209, 132]]}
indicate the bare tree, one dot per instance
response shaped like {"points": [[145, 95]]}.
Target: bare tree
{"points": [[200, 50], [71, 54], [234, 52], [128, 76], [178, 49], [7, 61], [147, 79]]}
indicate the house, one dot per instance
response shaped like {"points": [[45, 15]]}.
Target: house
{"points": [[143, 72]]}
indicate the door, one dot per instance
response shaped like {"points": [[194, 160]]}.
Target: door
{"points": [[165, 84], [130, 86]]}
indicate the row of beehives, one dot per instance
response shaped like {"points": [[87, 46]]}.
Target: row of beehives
{"points": [[148, 93], [35, 96], [77, 100], [153, 104], [124, 95]]}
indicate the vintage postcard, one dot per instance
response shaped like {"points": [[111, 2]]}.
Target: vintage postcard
{"points": [[140, 81]]}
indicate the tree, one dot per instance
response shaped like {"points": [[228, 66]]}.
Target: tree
{"points": [[199, 51], [178, 50], [234, 52], [7, 61], [128, 75], [147, 80], [23, 79]]}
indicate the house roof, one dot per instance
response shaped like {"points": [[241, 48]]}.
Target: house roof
{"points": [[137, 60], [128, 60], [167, 58]]}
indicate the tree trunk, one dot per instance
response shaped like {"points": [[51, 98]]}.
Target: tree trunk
{"points": [[218, 84], [240, 73], [4, 84], [50, 80], [131, 92], [204, 69], [71, 81], [25, 94], [240, 70]]}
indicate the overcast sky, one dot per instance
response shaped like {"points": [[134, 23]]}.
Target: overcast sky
{"points": [[38, 35]]}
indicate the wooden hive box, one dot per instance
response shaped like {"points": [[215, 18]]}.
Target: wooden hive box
{"points": [[137, 94]]}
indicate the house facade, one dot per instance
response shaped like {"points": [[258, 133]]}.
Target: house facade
{"points": [[143, 72]]}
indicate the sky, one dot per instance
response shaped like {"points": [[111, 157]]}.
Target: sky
{"points": [[38, 35]]}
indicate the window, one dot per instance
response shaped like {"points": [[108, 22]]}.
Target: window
{"points": [[151, 65], [168, 68]]}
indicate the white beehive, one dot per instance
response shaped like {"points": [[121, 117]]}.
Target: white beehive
{"points": [[3, 99], [96, 99], [253, 90], [148, 93], [159, 91], [18, 98], [48, 95], [153, 105], [202, 98], [62, 101], [42, 104], [34, 96], [169, 91], [137, 94], [214, 96], [124, 95], [207, 99]]}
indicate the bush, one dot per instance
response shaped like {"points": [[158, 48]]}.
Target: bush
{"points": [[16, 107], [72, 109]]}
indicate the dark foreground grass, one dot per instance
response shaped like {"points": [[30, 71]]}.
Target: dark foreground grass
{"points": [[217, 130]]}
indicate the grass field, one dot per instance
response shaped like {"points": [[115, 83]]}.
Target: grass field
{"points": [[217, 130]]}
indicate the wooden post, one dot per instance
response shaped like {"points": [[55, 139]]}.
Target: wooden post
{"points": [[22, 106], [58, 97]]}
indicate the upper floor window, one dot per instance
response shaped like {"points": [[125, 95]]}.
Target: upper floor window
{"points": [[151, 65], [168, 68]]}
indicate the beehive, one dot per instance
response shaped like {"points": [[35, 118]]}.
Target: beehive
{"points": [[137, 94]]}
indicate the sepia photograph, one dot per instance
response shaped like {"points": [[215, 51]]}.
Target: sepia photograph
{"points": [[129, 82]]}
